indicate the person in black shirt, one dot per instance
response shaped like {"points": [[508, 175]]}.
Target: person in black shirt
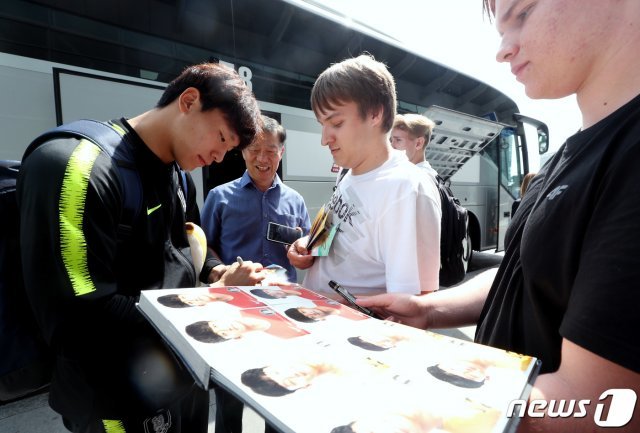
{"points": [[567, 290], [112, 370]]}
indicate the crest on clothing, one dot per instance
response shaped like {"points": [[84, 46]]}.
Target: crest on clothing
{"points": [[161, 423]]}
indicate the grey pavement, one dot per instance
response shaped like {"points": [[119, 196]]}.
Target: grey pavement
{"points": [[33, 414]]}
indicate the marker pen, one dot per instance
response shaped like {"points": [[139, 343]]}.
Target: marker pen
{"points": [[351, 299]]}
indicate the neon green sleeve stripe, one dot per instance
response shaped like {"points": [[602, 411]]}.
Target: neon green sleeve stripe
{"points": [[117, 128], [72, 202], [113, 426]]}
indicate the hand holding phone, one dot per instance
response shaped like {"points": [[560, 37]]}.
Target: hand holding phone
{"points": [[351, 299], [282, 234]]}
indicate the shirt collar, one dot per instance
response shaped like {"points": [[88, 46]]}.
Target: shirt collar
{"points": [[245, 181]]}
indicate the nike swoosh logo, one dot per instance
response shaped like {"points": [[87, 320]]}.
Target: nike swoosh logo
{"points": [[153, 209]]}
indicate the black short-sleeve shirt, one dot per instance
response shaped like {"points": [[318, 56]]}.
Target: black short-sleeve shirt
{"points": [[571, 267]]}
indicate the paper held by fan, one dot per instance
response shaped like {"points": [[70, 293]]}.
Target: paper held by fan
{"points": [[321, 249], [322, 233]]}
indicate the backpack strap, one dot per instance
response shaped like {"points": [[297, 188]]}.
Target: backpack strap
{"points": [[110, 139], [183, 186]]}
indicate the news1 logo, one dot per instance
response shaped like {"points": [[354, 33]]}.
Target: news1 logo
{"points": [[621, 406]]}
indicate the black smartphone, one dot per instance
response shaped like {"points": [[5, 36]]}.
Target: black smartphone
{"points": [[282, 234], [351, 299]]}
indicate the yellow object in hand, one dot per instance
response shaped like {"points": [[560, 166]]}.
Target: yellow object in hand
{"points": [[198, 245]]}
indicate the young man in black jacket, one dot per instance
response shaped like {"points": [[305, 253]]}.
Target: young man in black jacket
{"points": [[83, 277]]}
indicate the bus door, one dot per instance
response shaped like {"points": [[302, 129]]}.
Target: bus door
{"points": [[515, 159], [458, 152]]}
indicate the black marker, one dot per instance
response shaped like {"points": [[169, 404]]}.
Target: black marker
{"points": [[351, 299]]}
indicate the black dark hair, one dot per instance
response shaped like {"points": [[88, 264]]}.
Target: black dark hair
{"points": [[220, 87], [453, 379], [343, 429], [295, 314], [358, 341], [201, 331], [262, 294], [273, 127], [172, 301], [262, 384]]}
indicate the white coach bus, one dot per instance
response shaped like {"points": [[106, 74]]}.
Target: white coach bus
{"points": [[60, 61]]}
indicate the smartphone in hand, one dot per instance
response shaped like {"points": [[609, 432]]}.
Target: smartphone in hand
{"points": [[351, 299], [282, 234]]}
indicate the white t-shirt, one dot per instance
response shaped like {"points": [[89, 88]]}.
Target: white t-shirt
{"points": [[389, 234], [426, 166]]}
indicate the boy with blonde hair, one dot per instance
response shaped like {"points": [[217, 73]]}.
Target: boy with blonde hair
{"points": [[412, 133]]}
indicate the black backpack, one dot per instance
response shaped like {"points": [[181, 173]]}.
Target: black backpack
{"points": [[453, 234], [25, 363], [453, 237], [25, 360]]}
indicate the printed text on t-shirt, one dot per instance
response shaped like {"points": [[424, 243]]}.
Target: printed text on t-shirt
{"points": [[342, 209]]}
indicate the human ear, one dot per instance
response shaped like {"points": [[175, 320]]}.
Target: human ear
{"points": [[188, 99], [244, 154], [376, 115]]}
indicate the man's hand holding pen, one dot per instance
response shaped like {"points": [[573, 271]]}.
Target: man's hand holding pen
{"points": [[241, 273]]}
